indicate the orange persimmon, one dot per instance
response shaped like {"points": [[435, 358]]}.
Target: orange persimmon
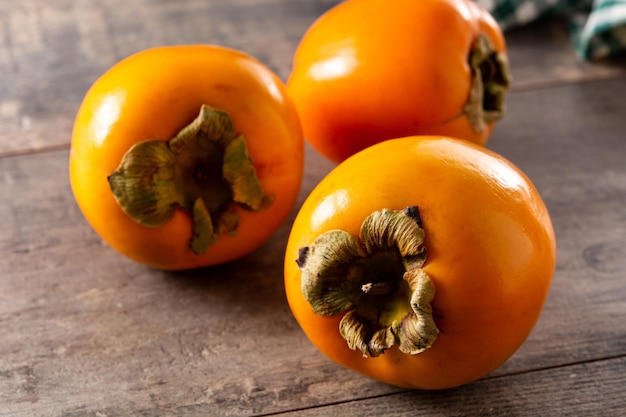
{"points": [[371, 70], [186, 156], [430, 273]]}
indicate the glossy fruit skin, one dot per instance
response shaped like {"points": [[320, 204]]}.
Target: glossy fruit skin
{"points": [[371, 70], [152, 95], [490, 248]]}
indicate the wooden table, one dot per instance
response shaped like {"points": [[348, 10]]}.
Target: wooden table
{"points": [[87, 332]]}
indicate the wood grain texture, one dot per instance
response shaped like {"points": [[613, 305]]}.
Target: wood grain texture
{"points": [[86, 332], [52, 51], [572, 145], [590, 389]]}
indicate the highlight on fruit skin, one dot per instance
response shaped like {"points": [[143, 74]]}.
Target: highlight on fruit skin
{"points": [[429, 274], [186, 156], [372, 70]]}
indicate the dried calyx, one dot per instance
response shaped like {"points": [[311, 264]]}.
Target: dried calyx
{"points": [[490, 82], [376, 281], [205, 170]]}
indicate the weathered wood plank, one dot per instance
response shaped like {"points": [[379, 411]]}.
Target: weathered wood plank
{"points": [[571, 142], [85, 330], [590, 389], [51, 52]]}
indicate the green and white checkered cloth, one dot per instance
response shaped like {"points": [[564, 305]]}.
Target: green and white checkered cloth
{"points": [[598, 26]]}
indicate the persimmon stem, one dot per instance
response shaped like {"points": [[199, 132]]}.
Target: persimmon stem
{"points": [[491, 79], [375, 281], [205, 170]]}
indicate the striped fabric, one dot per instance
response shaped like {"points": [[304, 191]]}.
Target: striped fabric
{"points": [[598, 26], [604, 33]]}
